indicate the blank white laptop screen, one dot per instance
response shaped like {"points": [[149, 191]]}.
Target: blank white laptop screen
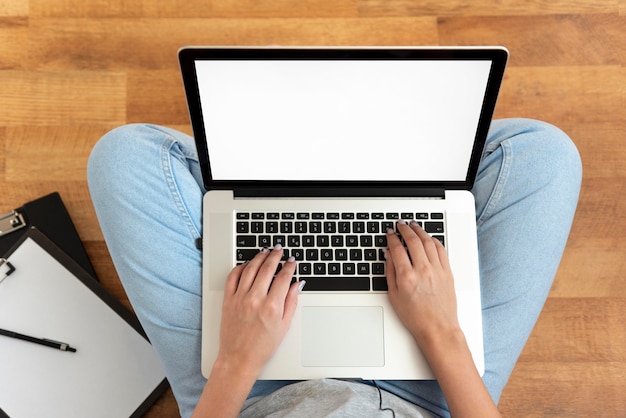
{"points": [[357, 120]]}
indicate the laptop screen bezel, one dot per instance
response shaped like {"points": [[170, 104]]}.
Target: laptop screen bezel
{"points": [[189, 55]]}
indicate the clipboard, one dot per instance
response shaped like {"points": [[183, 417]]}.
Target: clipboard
{"points": [[49, 215], [115, 371]]}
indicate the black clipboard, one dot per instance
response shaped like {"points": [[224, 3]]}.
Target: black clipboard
{"points": [[50, 216], [45, 245]]}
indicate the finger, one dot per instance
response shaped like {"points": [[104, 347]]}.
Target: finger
{"points": [[428, 244], [251, 269], [443, 255], [265, 274], [232, 280], [390, 268], [291, 302], [282, 281], [414, 242]]}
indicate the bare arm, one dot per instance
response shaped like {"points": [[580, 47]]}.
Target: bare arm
{"points": [[256, 315], [421, 290]]}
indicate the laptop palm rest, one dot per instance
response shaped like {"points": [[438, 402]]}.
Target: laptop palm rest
{"points": [[349, 336]]}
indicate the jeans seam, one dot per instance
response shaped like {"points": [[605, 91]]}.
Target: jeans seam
{"points": [[170, 178], [503, 174]]}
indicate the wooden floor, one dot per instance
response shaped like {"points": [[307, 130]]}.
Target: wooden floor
{"points": [[72, 69]]}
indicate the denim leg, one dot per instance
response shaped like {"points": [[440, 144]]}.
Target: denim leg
{"points": [[526, 194], [145, 184]]}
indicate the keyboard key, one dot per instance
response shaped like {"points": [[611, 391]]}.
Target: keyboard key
{"points": [[433, 227], [344, 227], [286, 227], [297, 253], [271, 227], [378, 283], [302, 215], [279, 239], [356, 254], [378, 268], [347, 215], [392, 215], [336, 241], [421, 215], [436, 215], [336, 283], [257, 215], [332, 215], [326, 254], [304, 268], [245, 254], [293, 241], [273, 215], [370, 254], [243, 215], [312, 254], [246, 241], [352, 241], [256, 227], [373, 227], [265, 241], [349, 268], [334, 268], [243, 227], [319, 269], [288, 215], [363, 268], [323, 240]]}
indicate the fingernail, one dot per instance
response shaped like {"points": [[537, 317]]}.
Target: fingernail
{"points": [[291, 259], [278, 247], [385, 252], [414, 223], [389, 231], [301, 285], [264, 250]]}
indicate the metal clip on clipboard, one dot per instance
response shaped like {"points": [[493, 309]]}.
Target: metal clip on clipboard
{"points": [[10, 222], [6, 269]]}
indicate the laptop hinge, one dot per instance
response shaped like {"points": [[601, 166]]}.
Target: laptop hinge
{"points": [[338, 192]]}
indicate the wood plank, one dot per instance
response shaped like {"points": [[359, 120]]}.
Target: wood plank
{"points": [[500, 8], [569, 389], [579, 329], [194, 8], [13, 42], [596, 39], [563, 94], [67, 44], [156, 96], [14, 8], [55, 153], [59, 98]]}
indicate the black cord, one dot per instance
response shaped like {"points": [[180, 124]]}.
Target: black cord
{"points": [[380, 401]]}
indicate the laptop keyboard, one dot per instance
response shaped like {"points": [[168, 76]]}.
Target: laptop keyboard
{"points": [[334, 251]]}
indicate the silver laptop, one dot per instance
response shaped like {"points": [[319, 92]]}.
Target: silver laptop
{"points": [[321, 150]]}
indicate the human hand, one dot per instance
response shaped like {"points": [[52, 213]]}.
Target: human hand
{"points": [[421, 285], [257, 311]]}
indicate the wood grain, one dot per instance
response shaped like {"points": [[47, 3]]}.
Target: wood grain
{"points": [[70, 70]]}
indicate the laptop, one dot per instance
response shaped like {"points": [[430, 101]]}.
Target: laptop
{"points": [[321, 150]]}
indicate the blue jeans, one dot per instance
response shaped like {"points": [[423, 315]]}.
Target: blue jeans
{"points": [[146, 186]]}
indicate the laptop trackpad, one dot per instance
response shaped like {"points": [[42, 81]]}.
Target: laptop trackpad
{"points": [[348, 336]]}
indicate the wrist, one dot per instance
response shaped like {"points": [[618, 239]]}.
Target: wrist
{"points": [[442, 343]]}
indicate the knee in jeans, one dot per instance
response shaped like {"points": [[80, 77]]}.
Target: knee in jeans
{"points": [[117, 150], [554, 152]]}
